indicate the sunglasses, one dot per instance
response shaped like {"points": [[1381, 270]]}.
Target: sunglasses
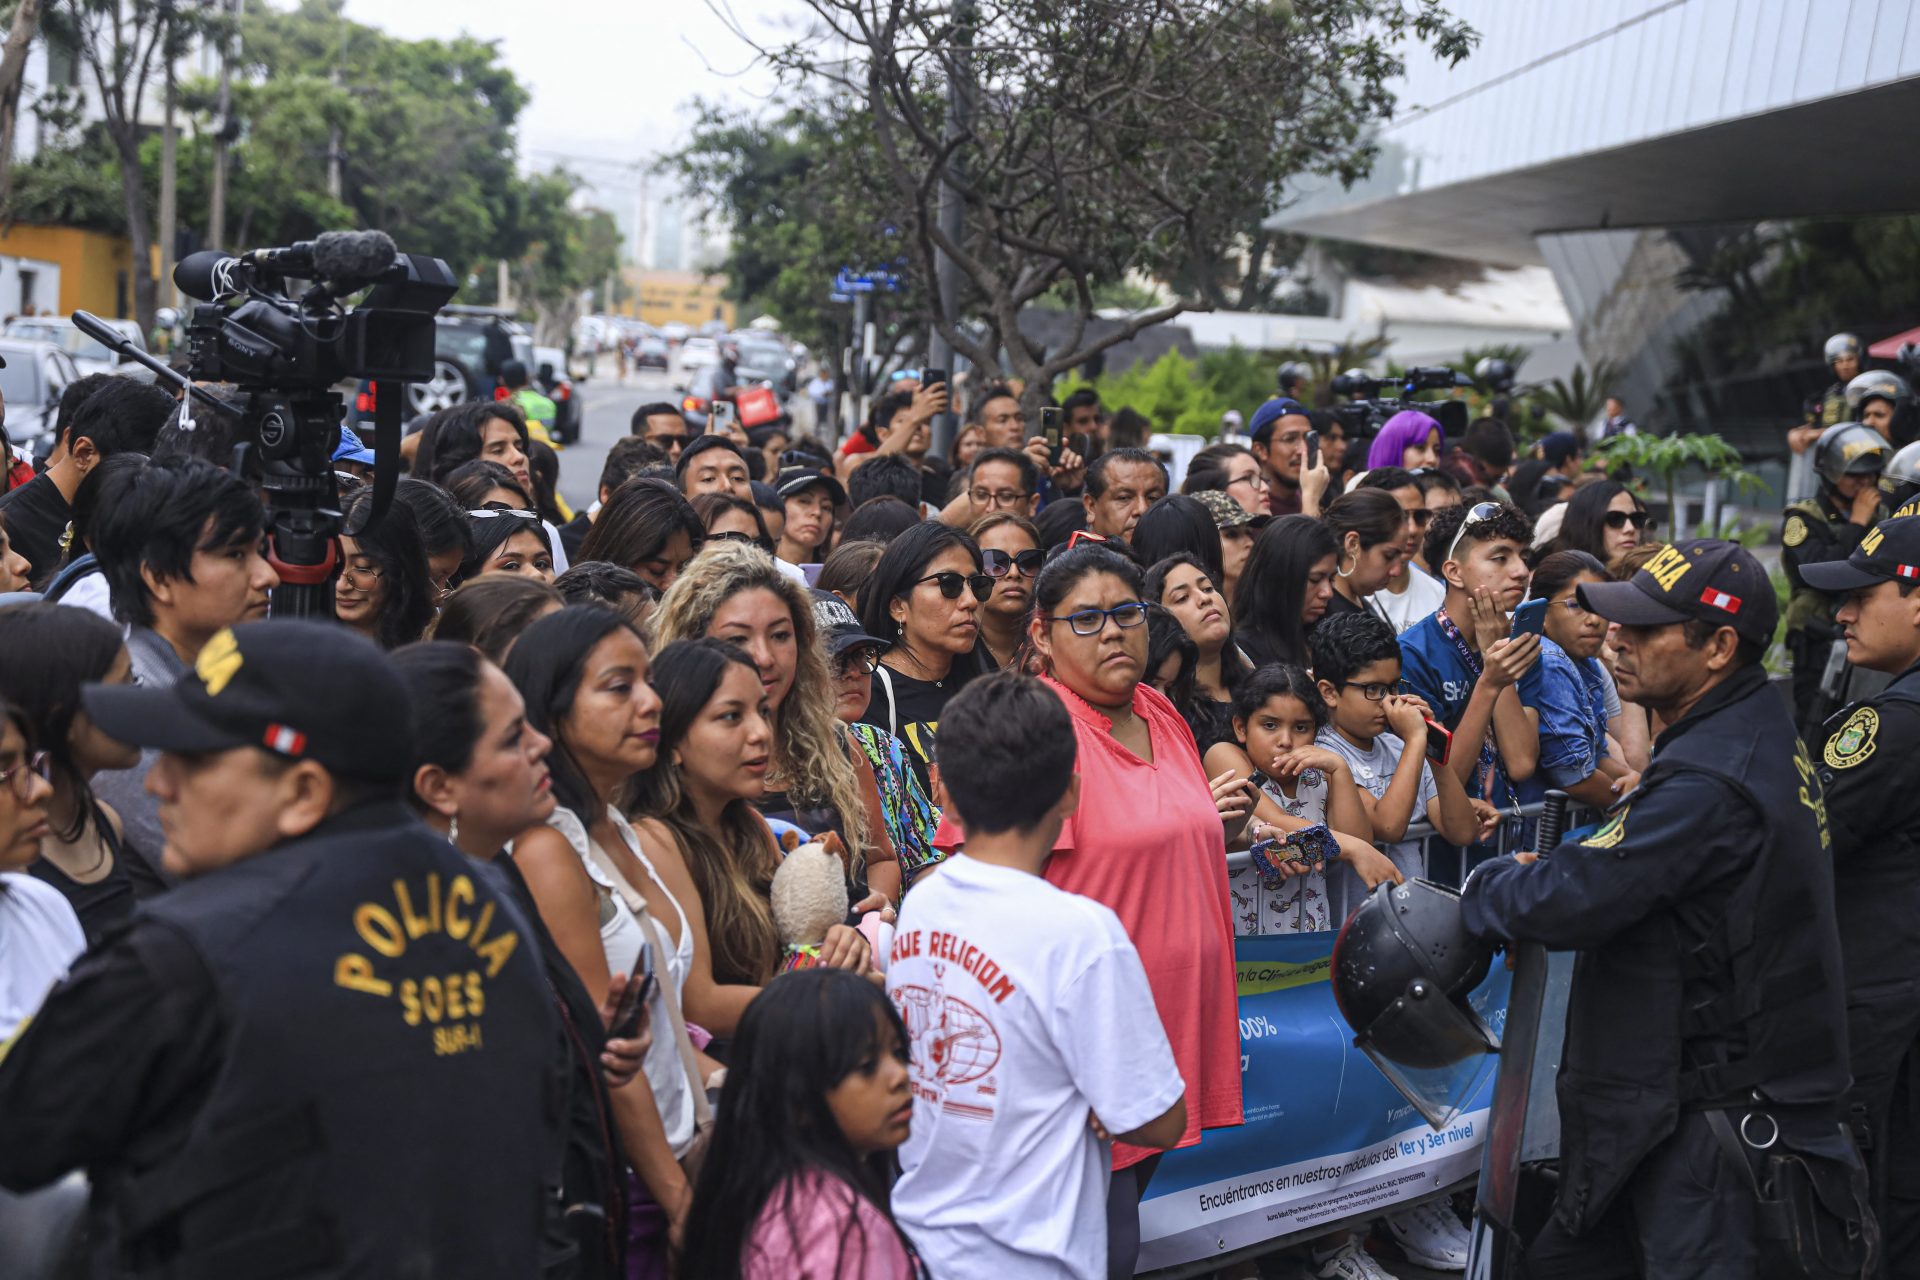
{"points": [[865, 660], [492, 510], [1621, 519], [1482, 513], [999, 564], [734, 535], [669, 441], [951, 584]]}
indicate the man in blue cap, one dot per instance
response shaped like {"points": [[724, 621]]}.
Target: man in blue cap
{"points": [[1279, 435], [352, 456]]}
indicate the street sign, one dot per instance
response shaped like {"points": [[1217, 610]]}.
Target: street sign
{"points": [[850, 282]]}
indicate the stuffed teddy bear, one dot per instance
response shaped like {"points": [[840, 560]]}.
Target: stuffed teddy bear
{"points": [[809, 898]]}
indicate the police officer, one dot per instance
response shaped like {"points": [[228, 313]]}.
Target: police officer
{"points": [[326, 1052], [1873, 808], [1900, 482], [1829, 408], [1848, 460], [1883, 401], [1707, 996]]}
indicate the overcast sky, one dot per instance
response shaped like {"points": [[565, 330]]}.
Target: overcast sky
{"points": [[610, 78]]}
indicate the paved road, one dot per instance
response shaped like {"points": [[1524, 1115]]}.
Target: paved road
{"points": [[609, 406]]}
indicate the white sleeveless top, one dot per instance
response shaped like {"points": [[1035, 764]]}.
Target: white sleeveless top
{"points": [[624, 938]]}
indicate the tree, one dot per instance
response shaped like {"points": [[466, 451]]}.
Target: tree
{"points": [[13, 65], [1098, 137], [122, 44], [1579, 399], [558, 253]]}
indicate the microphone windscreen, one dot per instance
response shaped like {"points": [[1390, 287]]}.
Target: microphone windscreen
{"points": [[203, 275], [352, 255]]}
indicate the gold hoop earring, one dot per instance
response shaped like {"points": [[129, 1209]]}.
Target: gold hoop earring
{"points": [[1345, 572]]}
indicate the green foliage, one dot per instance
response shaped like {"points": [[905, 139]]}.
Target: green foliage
{"points": [[1579, 399], [75, 186], [1178, 394], [1667, 456]]}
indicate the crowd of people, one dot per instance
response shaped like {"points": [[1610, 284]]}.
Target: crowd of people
{"points": [[449, 933]]}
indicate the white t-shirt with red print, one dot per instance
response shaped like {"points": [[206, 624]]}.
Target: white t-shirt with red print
{"points": [[1027, 1008]]}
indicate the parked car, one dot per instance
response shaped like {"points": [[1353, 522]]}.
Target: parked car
{"points": [[763, 359], [699, 353], [88, 354], [470, 345], [35, 375], [550, 375]]}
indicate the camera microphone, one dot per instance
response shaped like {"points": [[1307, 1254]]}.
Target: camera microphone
{"points": [[207, 275], [352, 255]]}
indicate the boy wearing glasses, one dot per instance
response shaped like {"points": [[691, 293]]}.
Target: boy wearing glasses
{"points": [[1461, 660]]}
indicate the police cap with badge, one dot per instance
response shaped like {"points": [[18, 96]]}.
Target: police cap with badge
{"points": [[1889, 552], [297, 690], [1698, 580]]}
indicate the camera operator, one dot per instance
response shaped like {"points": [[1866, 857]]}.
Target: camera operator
{"points": [[179, 543], [99, 416], [230, 1069]]}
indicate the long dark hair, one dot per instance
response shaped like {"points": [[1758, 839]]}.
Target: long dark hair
{"points": [[491, 532], [905, 560], [51, 651], [1233, 664], [1585, 526], [1165, 638], [1178, 524], [444, 679], [395, 547], [1272, 591], [453, 436], [543, 465], [638, 520], [490, 612], [547, 670], [442, 521], [732, 867], [472, 481], [1371, 513], [801, 1037], [1554, 572]]}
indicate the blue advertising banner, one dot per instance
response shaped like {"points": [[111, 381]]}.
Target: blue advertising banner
{"points": [[1326, 1138]]}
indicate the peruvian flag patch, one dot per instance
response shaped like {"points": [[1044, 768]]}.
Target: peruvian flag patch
{"points": [[1907, 570], [288, 742], [1717, 599]]}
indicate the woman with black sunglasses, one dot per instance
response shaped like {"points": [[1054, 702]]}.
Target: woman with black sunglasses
{"points": [[924, 600], [1010, 554], [1605, 519]]}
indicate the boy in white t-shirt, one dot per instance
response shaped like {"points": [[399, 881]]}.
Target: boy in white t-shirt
{"points": [[1034, 1033]]}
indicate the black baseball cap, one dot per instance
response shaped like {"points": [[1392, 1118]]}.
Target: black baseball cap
{"points": [[839, 628], [1702, 579], [1890, 552], [797, 480], [301, 690]]}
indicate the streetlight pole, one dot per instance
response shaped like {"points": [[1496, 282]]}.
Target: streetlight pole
{"points": [[952, 210]]}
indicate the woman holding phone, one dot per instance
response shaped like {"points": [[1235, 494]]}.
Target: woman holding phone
{"points": [[1566, 692]]}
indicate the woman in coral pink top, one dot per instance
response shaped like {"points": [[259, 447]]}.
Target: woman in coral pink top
{"points": [[1148, 841]]}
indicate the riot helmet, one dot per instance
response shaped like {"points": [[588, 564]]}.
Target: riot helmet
{"points": [[1404, 968], [1849, 449], [1842, 345], [1900, 481], [1291, 376], [1877, 384]]}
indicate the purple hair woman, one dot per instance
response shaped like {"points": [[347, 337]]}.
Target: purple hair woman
{"points": [[1409, 439]]}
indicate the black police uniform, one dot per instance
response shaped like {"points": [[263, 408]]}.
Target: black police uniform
{"points": [[1813, 531], [1873, 808], [1708, 975], [332, 1058]]}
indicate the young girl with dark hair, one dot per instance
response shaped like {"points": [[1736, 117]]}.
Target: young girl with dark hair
{"points": [[1566, 694], [646, 526], [51, 652], [489, 429], [1373, 546], [815, 1104], [1604, 519], [1285, 589], [1182, 586], [1010, 554], [482, 482], [384, 588], [584, 675], [508, 541], [1277, 713]]}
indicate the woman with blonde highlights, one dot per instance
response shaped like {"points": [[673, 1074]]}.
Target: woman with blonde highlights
{"points": [[819, 780]]}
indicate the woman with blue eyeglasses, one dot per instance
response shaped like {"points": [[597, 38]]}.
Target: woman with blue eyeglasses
{"points": [[1566, 694], [1147, 840]]}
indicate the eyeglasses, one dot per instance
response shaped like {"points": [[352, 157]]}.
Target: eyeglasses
{"points": [[865, 660], [1482, 513], [996, 497], [1371, 692], [492, 510], [1253, 478], [1621, 519], [951, 584], [355, 575], [20, 777], [1091, 622], [999, 564]]}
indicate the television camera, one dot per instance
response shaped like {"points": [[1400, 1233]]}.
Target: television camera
{"points": [[1370, 402], [284, 355]]}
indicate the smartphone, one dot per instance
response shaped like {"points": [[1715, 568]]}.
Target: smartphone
{"points": [[1313, 450], [932, 377], [719, 416], [1439, 743], [1050, 431], [1530, 618], [633, 1002]]}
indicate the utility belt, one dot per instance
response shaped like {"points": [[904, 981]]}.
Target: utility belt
{"points": [[1812, 1220]]}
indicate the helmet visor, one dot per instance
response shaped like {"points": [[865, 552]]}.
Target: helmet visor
{"points": [[1435, 1052]]}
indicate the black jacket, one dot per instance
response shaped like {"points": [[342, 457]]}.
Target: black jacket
{"points": [[37, 516]]}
